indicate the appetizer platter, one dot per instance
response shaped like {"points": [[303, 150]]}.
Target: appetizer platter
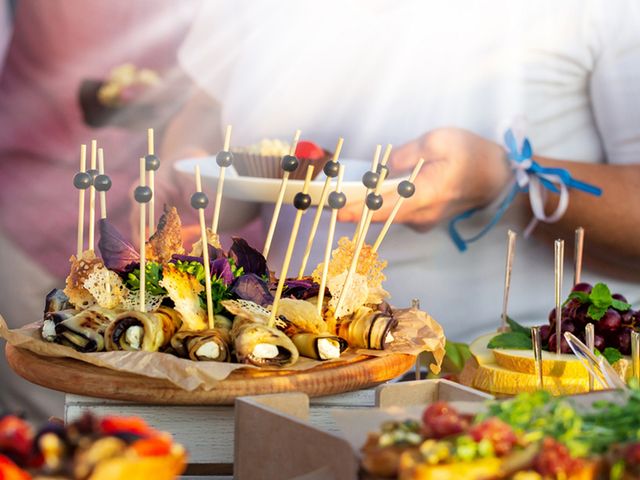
{"points": [[189, 322], [109, 448], [533, 436], [591, 341]]}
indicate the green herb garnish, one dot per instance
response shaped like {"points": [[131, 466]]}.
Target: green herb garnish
{"points": [[599, 301], [519, 338], [153, 275]]}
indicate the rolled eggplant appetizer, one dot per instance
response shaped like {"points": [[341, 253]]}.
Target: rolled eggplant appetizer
{"points": [[147, 331], [368, 329], [260, 345], [56, 301], [203, 346], [319, 346], [52, 319], [85, 331]]}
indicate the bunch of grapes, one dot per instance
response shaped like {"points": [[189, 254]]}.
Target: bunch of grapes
{"points": [[612, 330]]}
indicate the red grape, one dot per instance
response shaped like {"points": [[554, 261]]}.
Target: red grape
{"points": [[582, 287], [564, 346], [552, 317], [545, 333], [599, 342], [623, 341], [568, 326], [620, 297], [610, 321], [499, 433]]}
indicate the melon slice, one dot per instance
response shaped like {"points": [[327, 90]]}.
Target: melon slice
{"points": [[479, 350]]}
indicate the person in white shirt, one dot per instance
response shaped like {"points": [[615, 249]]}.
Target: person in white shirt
{"points": [[424, 75]]}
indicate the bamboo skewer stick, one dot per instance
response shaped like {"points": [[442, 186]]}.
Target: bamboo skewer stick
{"points": [[590, 338], [92, 197], [359, 245], [635, 354], [278, 205], [81, 196], [559, 264], [405, 190], [143, 253], [316, 218], [537, 353], [199, 196], [511, 250], [302, 202], [223, 159], [103, 193], [152, 182], [371, 174], [577, 255], [340, 199]]}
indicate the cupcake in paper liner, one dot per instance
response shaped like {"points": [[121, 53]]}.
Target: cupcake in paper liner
{"points": [[264, 158]]}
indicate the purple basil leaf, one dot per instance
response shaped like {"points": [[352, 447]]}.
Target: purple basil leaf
{"points": [[215, 253], [221, 268], [117, 253], [251, 287], [248, 258], [175, 258], [301, 288]]}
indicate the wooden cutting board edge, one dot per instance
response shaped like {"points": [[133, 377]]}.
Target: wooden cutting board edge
{"points": [[73, 376]]}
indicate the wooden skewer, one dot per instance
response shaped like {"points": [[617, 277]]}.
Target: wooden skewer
{"points": [[359, 245], [143, 253], [81, 195], [205, 254], [511, 250], [103, 194], [374, 168], [537, 353], [559, 264], [316, 218], [280, 199], [635, 354], [415, 304], [292, 241], [590, 337], [92, 197], [577, 255], [329, 246], [216, 208], [152, 182], [396, 207]]}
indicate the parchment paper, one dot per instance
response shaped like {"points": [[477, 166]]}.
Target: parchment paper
{"points": [[416, 332]]}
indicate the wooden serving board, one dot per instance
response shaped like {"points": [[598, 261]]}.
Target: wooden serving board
{"points": [[73, 376]]}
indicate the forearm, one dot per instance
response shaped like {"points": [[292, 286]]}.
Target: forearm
{"points": [[611, 220]]}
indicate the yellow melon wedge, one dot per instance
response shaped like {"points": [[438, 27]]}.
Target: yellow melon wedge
{"points": [[479, 350]]}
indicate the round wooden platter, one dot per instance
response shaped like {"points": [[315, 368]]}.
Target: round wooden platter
{"points": [[73, 376]]}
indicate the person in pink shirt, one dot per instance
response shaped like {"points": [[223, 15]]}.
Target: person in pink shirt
{"points": [[55, 46]]}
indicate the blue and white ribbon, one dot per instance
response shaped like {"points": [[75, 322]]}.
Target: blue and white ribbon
{"points": [[531, 177]]}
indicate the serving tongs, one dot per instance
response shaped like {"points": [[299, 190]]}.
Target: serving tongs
{"points": [[598, 366]]}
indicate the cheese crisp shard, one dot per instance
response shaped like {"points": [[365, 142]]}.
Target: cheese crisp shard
{"points": [[356, 296], [167, 240], [81, 268], [106, 287], [212, 239], [302, 314], [184, 290]]}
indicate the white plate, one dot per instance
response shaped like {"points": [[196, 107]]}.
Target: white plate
{"points": [[265, 190]]}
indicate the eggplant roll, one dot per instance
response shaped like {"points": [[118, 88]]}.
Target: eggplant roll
{"points": [[368, 329], [320, 346], [56, 301], [85, 331], [52, 319], [260, 345], [205, 345], [147, 331]]}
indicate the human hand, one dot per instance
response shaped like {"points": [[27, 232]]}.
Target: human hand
{"points": [[461, 171]]}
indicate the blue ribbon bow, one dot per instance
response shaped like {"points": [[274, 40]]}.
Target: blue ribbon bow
{"points": [[530, 177]]}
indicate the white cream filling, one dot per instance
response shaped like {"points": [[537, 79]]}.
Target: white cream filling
{"points": [[265, 350], [389, 338], [133, 336], [208, 350], [328, 349], [49, 330]]}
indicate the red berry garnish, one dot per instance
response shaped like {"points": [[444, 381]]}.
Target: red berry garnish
{"points": [[309, 150], [441, 420], [113, 425], [499, 433], [632, 455]]}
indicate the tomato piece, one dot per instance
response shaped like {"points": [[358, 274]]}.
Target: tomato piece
{"points": [[152, 447], [10, 471], [112, 425], [309, 150]]}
